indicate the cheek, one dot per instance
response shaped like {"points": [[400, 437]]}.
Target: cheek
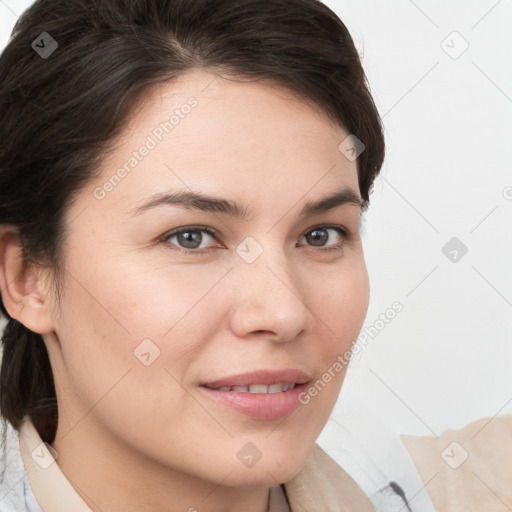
{"points": [[154, 299], [340, 305], [113, 363], [338, 299], [125, 315], [354, 299], [134, 296]]}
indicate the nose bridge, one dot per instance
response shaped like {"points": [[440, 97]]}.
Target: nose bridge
{"points": [[265, 262], [269, 294]]}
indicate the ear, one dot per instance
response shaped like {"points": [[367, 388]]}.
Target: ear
{"points": [[21, 285]]}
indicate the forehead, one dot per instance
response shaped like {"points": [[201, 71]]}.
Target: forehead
{"points": [[215, 134]]}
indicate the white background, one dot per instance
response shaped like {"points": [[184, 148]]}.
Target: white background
{"points": [[445, 360]]}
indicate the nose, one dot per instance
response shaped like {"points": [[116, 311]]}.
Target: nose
{"points": [[268, 300]]}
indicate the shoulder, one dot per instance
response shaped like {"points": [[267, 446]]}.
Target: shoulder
{"points": [[322, 484], [15, 491], [468, 469]]}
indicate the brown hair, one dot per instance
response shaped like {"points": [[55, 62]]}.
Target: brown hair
{"points": [[59, 113]]}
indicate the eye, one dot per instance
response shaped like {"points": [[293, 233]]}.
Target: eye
{"points": [[320, 236], [194, 239], [189, 239]]}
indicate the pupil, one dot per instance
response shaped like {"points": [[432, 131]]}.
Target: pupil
{"points": [[191, 239], [314, 239]]}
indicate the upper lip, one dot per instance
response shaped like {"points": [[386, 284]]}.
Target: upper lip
{"points": [[264, 376]]}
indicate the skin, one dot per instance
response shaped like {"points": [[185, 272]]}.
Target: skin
{"points": [[133, 437]]}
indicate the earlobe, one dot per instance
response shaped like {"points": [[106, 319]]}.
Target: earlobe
{"points": [[20, 285]]}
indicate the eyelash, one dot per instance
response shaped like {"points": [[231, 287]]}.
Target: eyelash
{"points": [[165, 238]]}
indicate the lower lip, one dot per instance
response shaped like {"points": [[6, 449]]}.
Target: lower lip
{"points": [[261, 406]]}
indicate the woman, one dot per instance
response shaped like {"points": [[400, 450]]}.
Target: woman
{"points": [[181, 185]]}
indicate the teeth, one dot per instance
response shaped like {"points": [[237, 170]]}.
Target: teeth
{"points": [[240, 388], [277, 388], [259, 388]]}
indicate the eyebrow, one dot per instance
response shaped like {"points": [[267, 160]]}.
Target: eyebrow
{"points": [[206, 203]]}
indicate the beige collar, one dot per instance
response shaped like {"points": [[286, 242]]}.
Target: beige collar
{"points": [[50, 487], [323, 485]]}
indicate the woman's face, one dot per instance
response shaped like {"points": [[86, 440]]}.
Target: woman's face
{"points": [[148, 318]]}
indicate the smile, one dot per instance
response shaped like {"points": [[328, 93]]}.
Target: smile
{"points": [[258, 388]]}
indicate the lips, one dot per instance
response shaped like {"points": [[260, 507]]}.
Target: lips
{"points": [[262, 377], [262, 395]]}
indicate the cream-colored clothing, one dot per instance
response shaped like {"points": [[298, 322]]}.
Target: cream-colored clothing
{"points": [[321, 485], [467, 470]]}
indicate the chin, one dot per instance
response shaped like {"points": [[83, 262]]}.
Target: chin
{"points": [[268, 471], [263, 477]]}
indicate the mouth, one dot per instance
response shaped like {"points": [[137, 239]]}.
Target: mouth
{"points": [[263, 394], [259, 378], [258, 388]]}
